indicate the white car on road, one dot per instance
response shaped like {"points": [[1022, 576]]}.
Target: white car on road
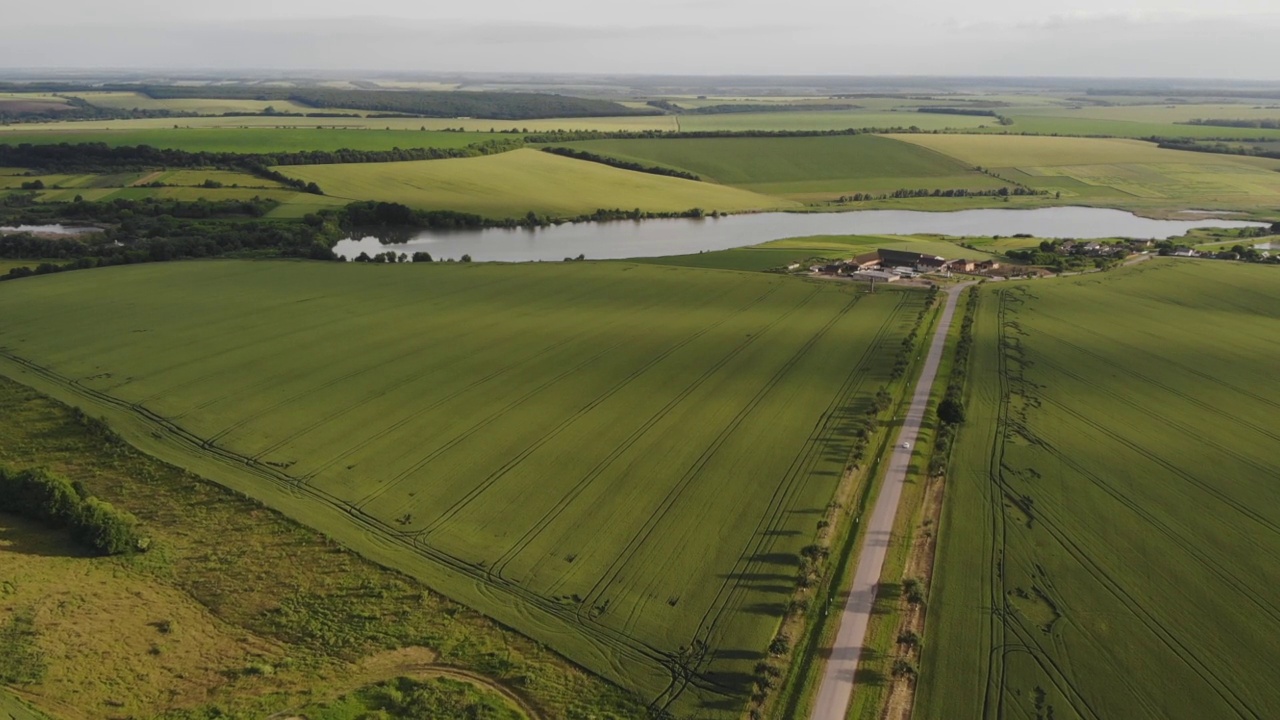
{"points": [[906, 445]]}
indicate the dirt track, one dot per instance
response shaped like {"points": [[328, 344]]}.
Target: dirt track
{"points": [[837, 679]]}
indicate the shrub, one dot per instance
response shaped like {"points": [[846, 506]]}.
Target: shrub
{"points": [[53, 500]]}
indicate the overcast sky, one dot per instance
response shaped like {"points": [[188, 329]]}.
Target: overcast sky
{"points": [[1115, 38]]}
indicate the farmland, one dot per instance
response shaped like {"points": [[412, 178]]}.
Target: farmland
{"points": [[248, 140], [804, 168], [514, 183], [1126, 173], [1110, 542], [556, 480]]}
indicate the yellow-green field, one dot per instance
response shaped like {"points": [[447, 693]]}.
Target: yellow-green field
{"points": [[511, 184], [1128, 173], [204, 106]]}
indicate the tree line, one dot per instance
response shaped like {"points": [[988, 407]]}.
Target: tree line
{"points": [[1016, 191], [618, 163]]}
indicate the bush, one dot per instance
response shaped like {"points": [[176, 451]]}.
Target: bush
{"points": [[53, 500], [951, 411]]}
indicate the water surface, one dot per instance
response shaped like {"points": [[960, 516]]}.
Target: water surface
{"points": [[656, 238], [48, 230]]}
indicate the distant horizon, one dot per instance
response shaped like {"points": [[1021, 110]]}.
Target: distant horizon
{"points": [[1158, 39]]}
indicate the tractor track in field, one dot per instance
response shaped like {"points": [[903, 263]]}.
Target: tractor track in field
{"points": [[801, 465], [624, 557], [1004, 616], [778, 501], [582, 411], [621, 449]]}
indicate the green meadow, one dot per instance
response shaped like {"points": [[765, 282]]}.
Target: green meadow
{"points": [[514, 183], [782, 253], [803, 168], [621, 461], [1110, 542]]}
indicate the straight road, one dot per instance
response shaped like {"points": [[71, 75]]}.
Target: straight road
{"points": [[837, 679]]}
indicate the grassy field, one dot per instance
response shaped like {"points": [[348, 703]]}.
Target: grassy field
{"points": [[244, 140], [511, 184], [631, 484], [781, 253], [1110, 542], [1126, 173], [808, 169]]}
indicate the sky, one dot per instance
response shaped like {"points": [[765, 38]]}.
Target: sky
{"points": [[1103, 38]]}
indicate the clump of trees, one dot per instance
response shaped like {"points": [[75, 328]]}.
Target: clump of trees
{"points": [[59, 503]]}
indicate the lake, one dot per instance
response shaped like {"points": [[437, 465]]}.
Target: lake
{"points": [[656, 238], [48, 230]]}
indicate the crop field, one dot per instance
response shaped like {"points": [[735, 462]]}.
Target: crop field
{"points": [[1127, 172], [1083, 126], [1110, 542], [631, 484], [828, 120], [204, 106], [803, 168], [245, 140], [513, 183], [1164, 113], [631, 122]]}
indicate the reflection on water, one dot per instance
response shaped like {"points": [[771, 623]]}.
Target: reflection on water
{"points": [[48, 230], [655, 238]]}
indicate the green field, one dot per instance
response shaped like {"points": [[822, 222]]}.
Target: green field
{"points": [[1128, 173], [243, 140], [636, 476], [781, 253], [632, 122], [511, 184], [828, 120], [804, 168], [1110, 542]]}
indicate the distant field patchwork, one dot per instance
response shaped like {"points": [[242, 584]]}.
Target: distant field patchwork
{"points": [[1110, 541], [804, 168], [621, 461], [243, 140]]}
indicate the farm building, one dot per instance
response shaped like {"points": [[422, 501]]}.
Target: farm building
{"points": [[986, 265], [962, 265], [866, 261]]}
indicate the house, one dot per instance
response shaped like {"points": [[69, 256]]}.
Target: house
{"points": [[1185, 252], [1139, 244], [985, 265], [962, 265]]}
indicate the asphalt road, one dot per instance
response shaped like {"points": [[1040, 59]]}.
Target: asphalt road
{"points": [[837, 679]]}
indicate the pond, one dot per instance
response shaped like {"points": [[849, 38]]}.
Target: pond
{"points": [[656, 238], [48, 230]]}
